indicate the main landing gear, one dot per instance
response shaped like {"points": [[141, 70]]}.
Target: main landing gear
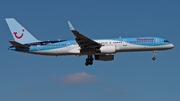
{"points": [[89, 60], [154, 55]]}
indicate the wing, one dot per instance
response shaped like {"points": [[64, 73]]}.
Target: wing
{"points": [[83, 41]]}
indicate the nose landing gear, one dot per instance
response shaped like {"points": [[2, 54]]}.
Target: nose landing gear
{"points": [[154, 58], [89, 60], [154, 55]]}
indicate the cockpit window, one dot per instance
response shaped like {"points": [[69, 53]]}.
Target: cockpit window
{"points": [[166, 41]]}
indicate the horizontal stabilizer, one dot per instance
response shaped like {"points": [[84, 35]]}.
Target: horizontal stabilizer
{"points": [[16, 44]]}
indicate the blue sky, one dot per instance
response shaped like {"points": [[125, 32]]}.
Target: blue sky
{"points": [[130, 77]]}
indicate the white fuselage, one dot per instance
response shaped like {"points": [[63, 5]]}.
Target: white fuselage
{"points": [[74, 49]]}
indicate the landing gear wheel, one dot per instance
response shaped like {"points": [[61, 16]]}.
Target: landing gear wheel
{"points": [[89, 60], [86, 63], [91, 63], [154, 58]]}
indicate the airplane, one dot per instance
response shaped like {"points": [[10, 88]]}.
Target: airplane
{"points": [[94, 49]]}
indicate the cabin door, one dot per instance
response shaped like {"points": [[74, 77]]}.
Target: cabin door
{"points": [[157, 41], [124, 42], [38, 47]]}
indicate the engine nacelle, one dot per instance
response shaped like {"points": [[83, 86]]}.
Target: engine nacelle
{"points": [[108, 49], [104, 57]]}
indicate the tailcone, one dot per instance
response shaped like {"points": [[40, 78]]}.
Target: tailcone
{"points": [[12, 48]]}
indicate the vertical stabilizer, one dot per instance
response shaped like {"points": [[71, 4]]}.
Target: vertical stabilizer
{"points": [[19, 33]]}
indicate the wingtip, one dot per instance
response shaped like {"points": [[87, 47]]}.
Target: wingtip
{"points": [[70, 26], [8, 18]]}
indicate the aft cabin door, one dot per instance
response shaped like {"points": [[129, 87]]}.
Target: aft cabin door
{"points": [[38, 47], [124, 42]]}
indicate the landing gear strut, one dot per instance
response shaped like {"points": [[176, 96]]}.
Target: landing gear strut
{"points": [[89, 60], [154, 55]]}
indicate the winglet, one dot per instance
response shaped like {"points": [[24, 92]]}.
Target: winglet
{"points": [[70, 26]]}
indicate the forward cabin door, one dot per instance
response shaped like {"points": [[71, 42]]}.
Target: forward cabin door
{"points": [[157, 41]]}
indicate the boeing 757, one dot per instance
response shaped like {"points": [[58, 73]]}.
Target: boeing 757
{"points": [[94, 49]]}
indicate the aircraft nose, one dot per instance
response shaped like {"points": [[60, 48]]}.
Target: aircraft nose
{"points": [[171, 45]]}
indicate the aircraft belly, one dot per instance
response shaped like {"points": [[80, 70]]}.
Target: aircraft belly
{"points": [[57, 51], [132, 47]]}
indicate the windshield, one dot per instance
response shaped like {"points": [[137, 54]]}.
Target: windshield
{"points": [[166, 41]]}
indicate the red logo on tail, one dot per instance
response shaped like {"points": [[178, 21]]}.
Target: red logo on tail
{"points": [[19, 37]]}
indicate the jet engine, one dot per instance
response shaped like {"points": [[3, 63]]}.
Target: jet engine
{"points": [[104, 57]]}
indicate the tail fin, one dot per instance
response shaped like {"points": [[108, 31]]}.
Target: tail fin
{"points": [[20, 34]]}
